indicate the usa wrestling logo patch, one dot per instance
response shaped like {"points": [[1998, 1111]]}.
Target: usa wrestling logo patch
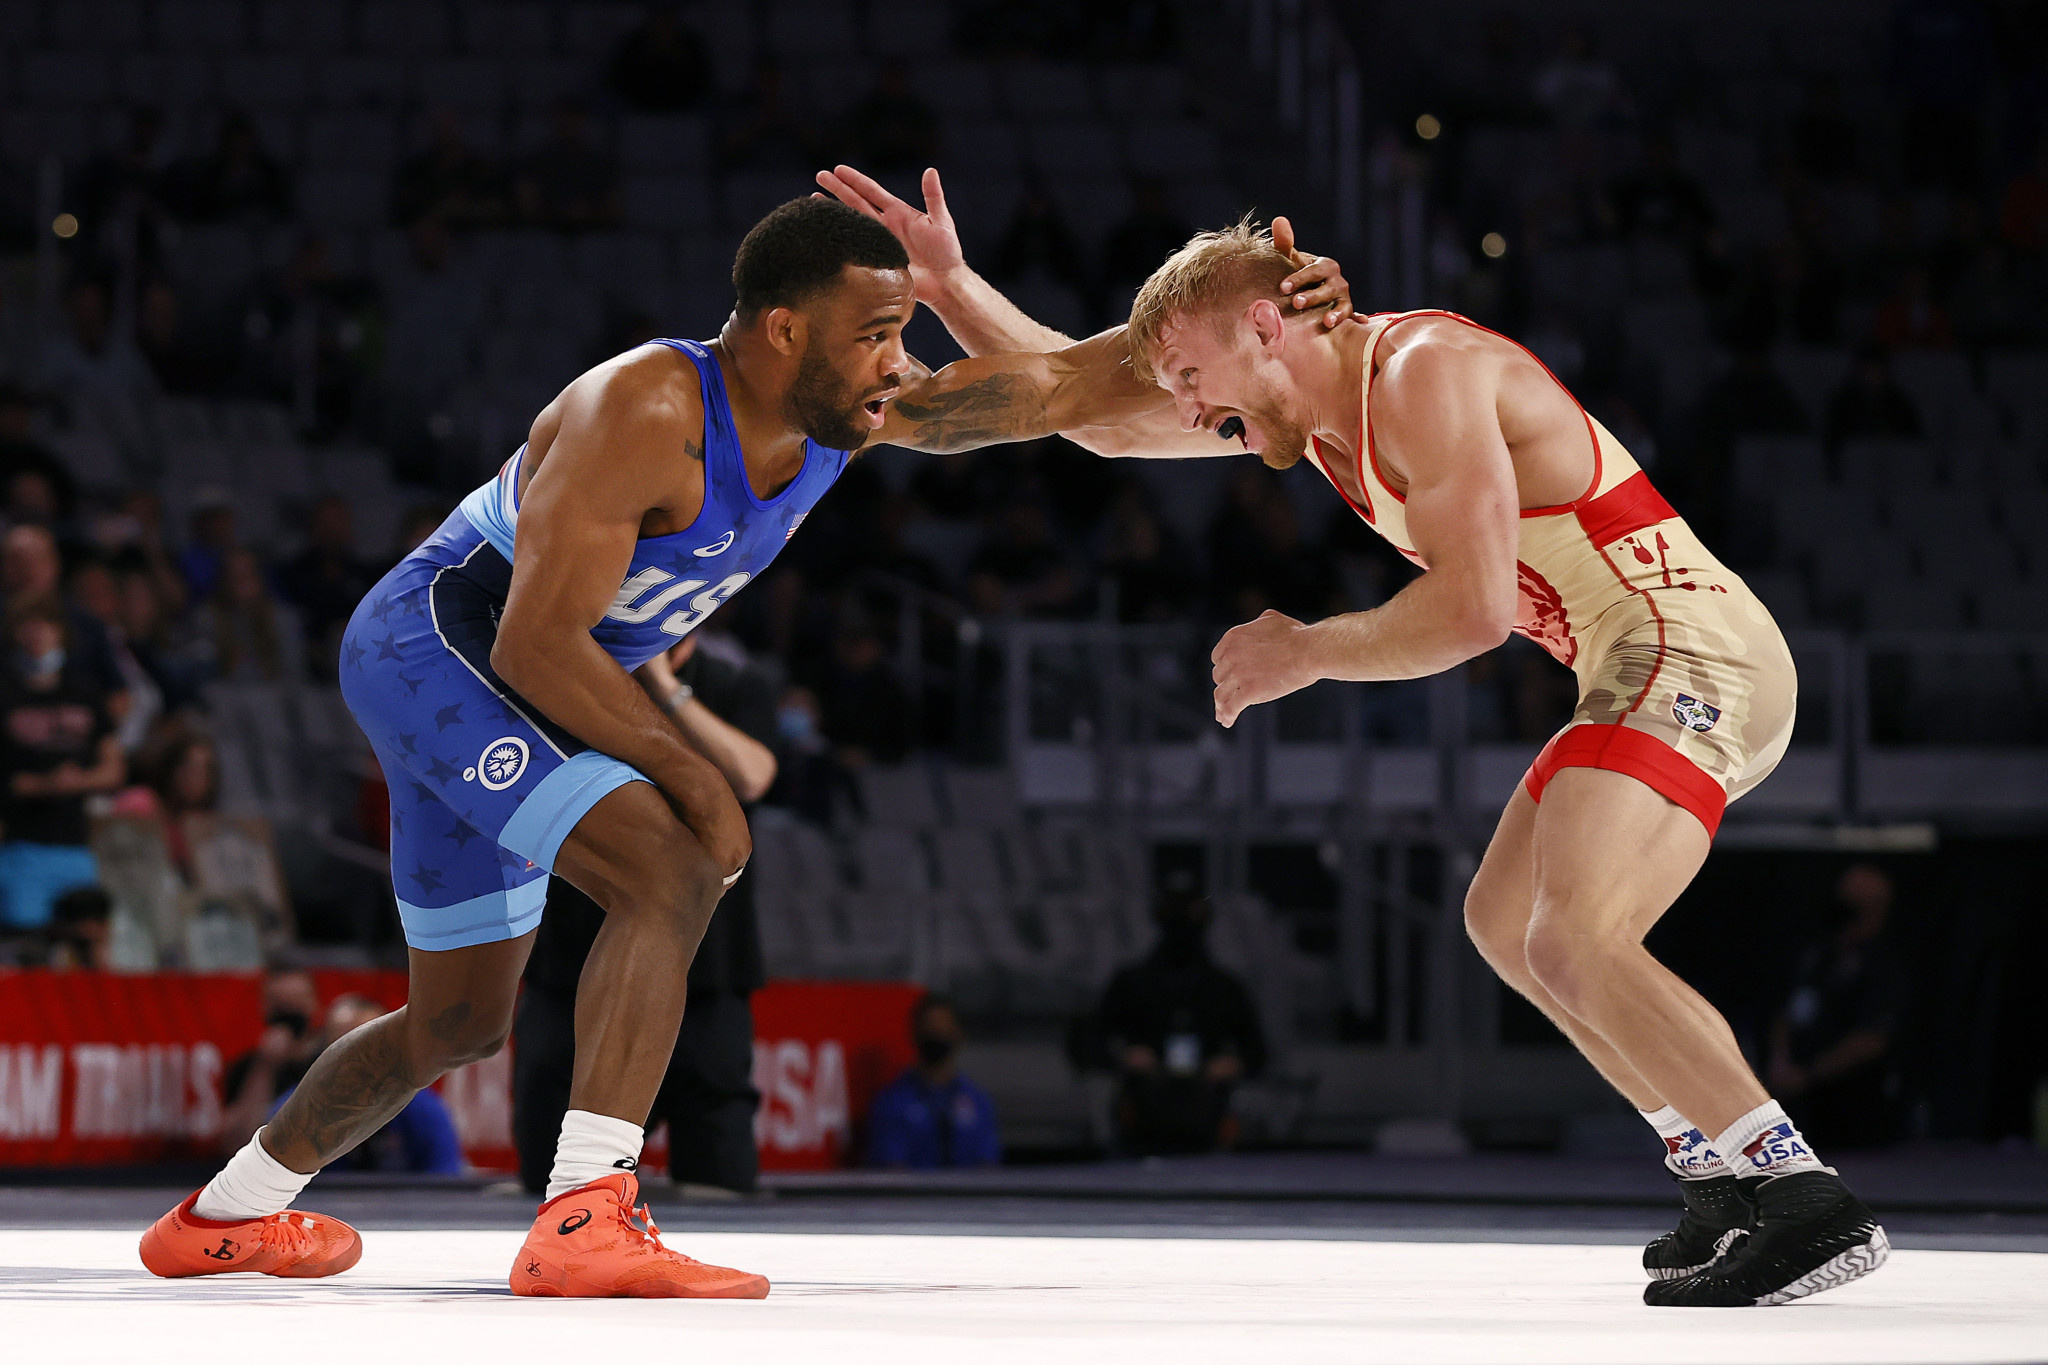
{"points": [[502, 763], [1695, 714]]}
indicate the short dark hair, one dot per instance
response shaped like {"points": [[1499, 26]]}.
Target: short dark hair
{"points": [[800, 248]]}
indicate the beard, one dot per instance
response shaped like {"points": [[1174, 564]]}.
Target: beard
{"points": [[1286, 442], [824, 406]]}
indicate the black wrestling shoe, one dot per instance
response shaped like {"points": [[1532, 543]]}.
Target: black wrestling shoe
{"points": [[1719, 1213], [1810, 1234]]}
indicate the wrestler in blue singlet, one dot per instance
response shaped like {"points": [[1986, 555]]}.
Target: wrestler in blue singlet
{"points": [[485, 789]]}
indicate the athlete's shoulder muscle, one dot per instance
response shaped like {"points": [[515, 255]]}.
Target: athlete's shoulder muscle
{"points": [[613, 435]]}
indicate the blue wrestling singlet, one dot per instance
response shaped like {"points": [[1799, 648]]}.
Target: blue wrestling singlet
{"points": [[484, 788]]}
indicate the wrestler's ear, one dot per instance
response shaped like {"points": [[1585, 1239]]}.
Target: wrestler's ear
{"points": [[1269, 324], [787, 330]]}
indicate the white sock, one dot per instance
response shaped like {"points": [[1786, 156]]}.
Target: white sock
{"points": [[254, 1184], [1764, 1143], [592, 1146], [1686, 1149]]}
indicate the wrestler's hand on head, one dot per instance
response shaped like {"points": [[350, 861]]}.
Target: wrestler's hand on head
{"points": [[1316, 279], [927, 234], [1258, 661]]}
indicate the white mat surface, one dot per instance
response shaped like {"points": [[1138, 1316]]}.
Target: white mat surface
{"points": [[892, 1300]]}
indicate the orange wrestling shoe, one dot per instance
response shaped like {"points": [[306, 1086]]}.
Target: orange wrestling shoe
{"points": [[592, 1243], [300, 1246]]}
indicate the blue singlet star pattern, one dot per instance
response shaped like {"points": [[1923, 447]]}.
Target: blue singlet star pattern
{"points": [[484, 788]]}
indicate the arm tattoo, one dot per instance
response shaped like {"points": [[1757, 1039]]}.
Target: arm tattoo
{"points": [[1000, 407]]}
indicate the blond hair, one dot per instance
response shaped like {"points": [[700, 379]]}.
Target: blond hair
{"points": [[1214, 271]]}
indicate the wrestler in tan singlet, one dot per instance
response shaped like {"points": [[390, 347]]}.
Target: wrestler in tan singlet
{"points": [[1673, 652]]}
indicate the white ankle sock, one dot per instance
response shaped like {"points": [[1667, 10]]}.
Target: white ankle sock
{"points": [[592, 1146], [254, 1184], [1686, 1149], [1764, 1143]]}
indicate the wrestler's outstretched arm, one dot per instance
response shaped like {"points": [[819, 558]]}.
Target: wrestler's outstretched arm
{"points": [[983, 321], [1436, 407]]}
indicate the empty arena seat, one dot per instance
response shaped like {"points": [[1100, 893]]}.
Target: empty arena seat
{"points": [[1913, 606], [664, 142], [957, 89], [343, 197], [593, 30], [65, 78], [305, 26], [1784, 592], [898, 795], [1172, 148], [405, 28], [87, 24], [1047, 90], [917, 29], [371, 79], [1066, 148], [665, 201], [201, 25], [1764, 465], [499, 26], [172, 80], [461, 82], [800, 28], [264, 80]]}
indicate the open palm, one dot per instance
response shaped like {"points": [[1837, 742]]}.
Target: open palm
{"points": [[927, 234]]}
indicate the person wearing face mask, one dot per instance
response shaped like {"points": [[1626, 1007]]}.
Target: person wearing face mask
{"points": [[932, 1117], [1182, 1031], [724, 705], [58, 747], [255, 1081]]}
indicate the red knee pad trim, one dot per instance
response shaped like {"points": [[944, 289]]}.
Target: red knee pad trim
{"points": [[1649, 760]]}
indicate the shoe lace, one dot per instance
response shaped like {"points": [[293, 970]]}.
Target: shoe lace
{"points": [[640, 1222], [285, 1234]]}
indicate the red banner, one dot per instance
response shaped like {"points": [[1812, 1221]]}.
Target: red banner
{"points": [[102, 1069]]}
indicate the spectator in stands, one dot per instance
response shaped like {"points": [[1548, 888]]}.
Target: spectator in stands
{"points": [[96, 592], [80, 936], [570, 184], [661, 67], [182, 360], [1870, 402], [1911, 319], [22, 453], [449, 180], [57, 748], [763, 129], [933, 1117], [1659, 198], [104, 382], [239, 181], [325, 581], [180, 772], [146, 633], [339, 310], [1830, 1044], [807, 777], [891, 129], [126, 187], [420, 1139], [1182, 1033], [255, 1081], [721, 701], [252, 637], [213, 539], [1578, 88], [133, 534], [32, 570], [861, 701], [1020, 570], [31, 499], [1825, 140], [1146, 565], [1037, 243], [1144, 237]]}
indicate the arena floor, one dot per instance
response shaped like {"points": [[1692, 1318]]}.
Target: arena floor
{"points": [[909, 1281]]}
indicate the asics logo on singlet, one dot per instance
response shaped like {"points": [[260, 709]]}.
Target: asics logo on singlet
{"points": [[724, 543], [652, 591]]}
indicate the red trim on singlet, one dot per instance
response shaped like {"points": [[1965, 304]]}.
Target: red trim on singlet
{"points": [[1627, 507], [1633, 753], [1323, 459], [1370, 448]]}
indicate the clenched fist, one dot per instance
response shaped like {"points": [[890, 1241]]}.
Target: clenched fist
{"points": [[1259, 661]]}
